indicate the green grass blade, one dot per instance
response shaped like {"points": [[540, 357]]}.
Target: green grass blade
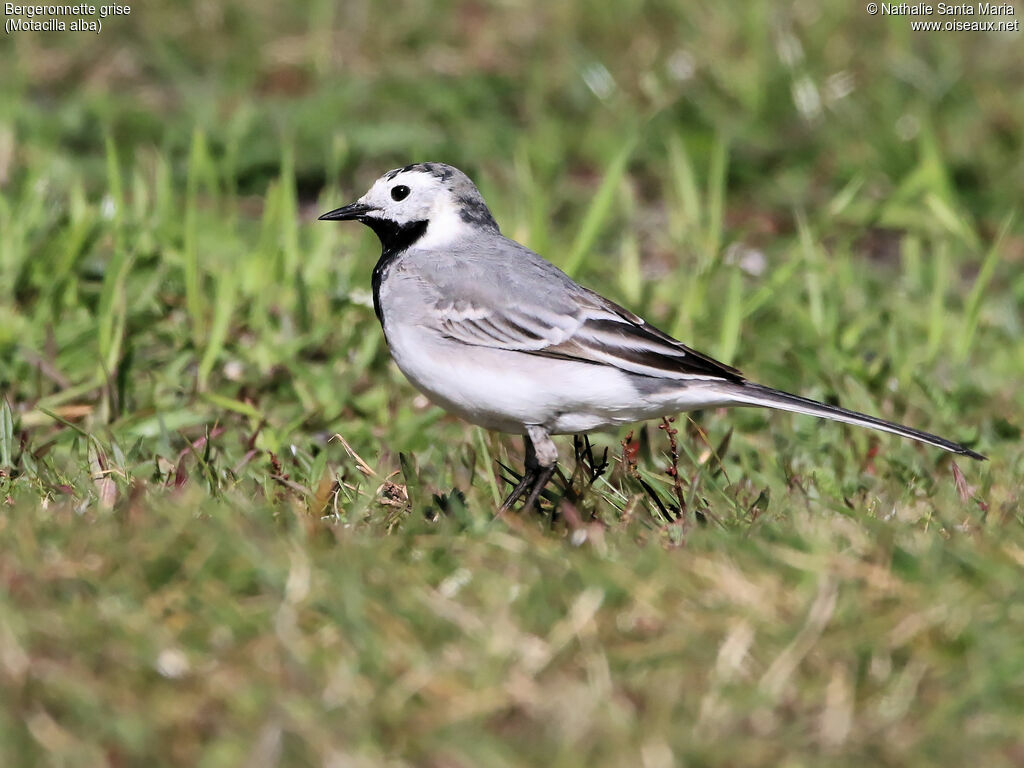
{"points": [[937, 303], [112, 310], [6, 434], [230, 404], [732, 317], [288, 220], [950, 219], [61, 420], [988, 267], [688, 212], [717, 177], [537, 201], [114, 184], [190, 256], [631, 281], [769, 289], [599, 211], [485, 453], [223, 307], [845, 197], [812, 260]]}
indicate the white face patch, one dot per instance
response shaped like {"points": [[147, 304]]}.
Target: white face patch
{"points": [[407, 196], [432, 192], [446, 225]]}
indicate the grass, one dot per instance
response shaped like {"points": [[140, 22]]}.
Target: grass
{"points": [[232, 532]]}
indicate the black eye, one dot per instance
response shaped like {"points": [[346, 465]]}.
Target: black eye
{"points": [[400, 192]]}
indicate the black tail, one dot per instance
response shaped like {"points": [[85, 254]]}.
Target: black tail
{"points": [[755, 394]]}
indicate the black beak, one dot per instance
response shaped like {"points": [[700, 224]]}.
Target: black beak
{"points": [[349, 212]]}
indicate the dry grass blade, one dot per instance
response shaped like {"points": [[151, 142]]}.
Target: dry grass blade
{"points": [[363, 467]]}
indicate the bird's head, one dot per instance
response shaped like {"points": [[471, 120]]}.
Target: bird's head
{"points": [[429, 204]]}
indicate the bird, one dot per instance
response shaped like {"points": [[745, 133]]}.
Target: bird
{"points": [[496, 334]]}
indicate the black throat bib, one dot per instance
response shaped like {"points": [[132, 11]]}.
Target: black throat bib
{"points": [[395, 239]]}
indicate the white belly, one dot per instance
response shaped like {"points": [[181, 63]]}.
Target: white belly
{"points": [[503, 390], [506, 391]]}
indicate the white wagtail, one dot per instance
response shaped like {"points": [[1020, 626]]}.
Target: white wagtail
{"points": [[489, 330]]}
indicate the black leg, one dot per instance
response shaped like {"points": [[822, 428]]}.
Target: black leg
{"points": [[538, 470], [543, 476], [529, 476], [518, 491]]}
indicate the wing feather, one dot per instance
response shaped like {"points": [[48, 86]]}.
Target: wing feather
{"points": [[595, 330]]}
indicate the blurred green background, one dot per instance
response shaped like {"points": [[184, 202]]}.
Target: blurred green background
{"points": [[194, 571]]}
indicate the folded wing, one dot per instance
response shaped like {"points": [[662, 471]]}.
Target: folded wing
{"points": [[590, 329]]}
